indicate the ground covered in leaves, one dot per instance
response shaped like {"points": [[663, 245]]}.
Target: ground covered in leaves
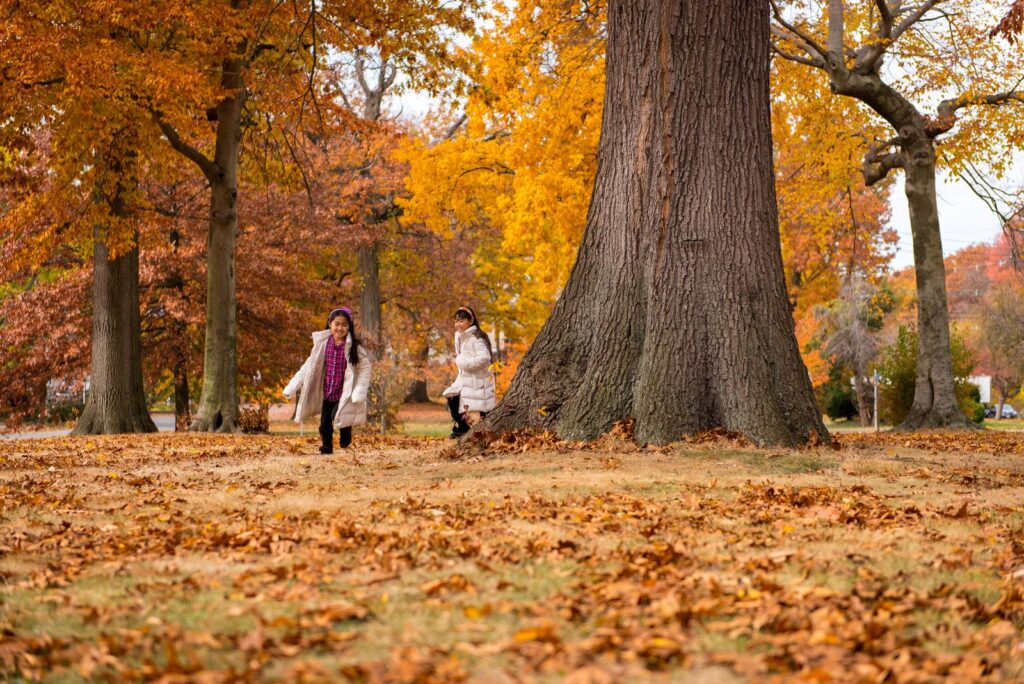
{"points": [[209, 558]]}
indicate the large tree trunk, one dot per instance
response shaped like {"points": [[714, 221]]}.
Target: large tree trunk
{"points": [[218, 405], [117, 400], [935, 402], [676, 313]]}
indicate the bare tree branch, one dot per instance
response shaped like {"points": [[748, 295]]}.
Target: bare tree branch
{"points": [[361, 76], [805, 42], [454, 128], [915, 16], [809, 61], [885, 20]]}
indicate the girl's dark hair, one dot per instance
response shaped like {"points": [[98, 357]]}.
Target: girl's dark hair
{"points": [[353, 353], [466, 313]]}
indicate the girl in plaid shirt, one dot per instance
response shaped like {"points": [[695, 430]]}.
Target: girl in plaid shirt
{"points": [[335, 378]]}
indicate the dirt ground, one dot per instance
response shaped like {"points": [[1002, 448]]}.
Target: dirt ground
{"points": [[224, 558]]}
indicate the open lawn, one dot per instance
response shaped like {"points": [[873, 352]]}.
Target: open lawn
{"points": [[212, 558]]}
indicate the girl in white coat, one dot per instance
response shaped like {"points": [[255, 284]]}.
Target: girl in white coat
{"points": [[473, 389], [335, 379]]}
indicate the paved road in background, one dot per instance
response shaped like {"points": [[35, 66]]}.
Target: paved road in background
{"points": [[164, 423]]}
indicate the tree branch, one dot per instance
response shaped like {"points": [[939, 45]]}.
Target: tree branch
{"points": [[454, 128], [207, 166], [877, 166], [884, 20], [361, 76], [947, 109], [805, 42], [915, 16], [835, 28], [809, 61]]}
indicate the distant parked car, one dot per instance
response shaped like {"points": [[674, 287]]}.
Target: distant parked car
{"points": [[1008, 411]]}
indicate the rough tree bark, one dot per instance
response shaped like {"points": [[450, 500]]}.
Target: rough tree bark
{"points": [[218, 403], [117, 400], [676, 312]]}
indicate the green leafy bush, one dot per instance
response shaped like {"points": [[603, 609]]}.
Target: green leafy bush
{"points": [[898, 368]]}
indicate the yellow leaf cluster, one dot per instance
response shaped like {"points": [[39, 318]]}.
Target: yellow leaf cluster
{"points": [[520, 174]]}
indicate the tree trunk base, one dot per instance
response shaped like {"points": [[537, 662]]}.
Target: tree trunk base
{"points": [[936, 420], [96, 421], [417, 393], [215, 420]]}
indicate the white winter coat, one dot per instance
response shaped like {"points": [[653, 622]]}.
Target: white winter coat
{"points": [[475, 382], [310, 378]]}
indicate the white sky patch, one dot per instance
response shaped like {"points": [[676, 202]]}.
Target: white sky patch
{"points": [[963, 218]]}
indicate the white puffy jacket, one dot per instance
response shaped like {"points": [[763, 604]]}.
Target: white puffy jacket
{"points": [[352, 405], [475, 382]]}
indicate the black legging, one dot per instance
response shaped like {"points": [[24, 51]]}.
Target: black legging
{"points": [[461, 426], [327, 428]]}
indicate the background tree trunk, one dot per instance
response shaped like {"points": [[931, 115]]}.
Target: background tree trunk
{"points": [[864, 398], [182, 409], [676, 311], [369, 300], [117, 400], [935, 402], [218, 405], [418, 388]]}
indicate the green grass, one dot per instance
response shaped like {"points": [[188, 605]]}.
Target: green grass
{"points": [[426, 428], [1004, 424]]}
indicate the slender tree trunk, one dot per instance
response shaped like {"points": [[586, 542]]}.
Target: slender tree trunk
{"points": [[369, 301], [863, 398], [418, 390], [182, 410], [372, 332], [676, 312], [117, 400], [417, 393], [935, 402], [218, 405]]}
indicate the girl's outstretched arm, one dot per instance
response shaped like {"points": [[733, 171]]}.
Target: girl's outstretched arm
{"points": [[296, 382]]}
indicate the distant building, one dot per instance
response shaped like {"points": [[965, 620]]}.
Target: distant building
{"points": [[984, 383]]}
